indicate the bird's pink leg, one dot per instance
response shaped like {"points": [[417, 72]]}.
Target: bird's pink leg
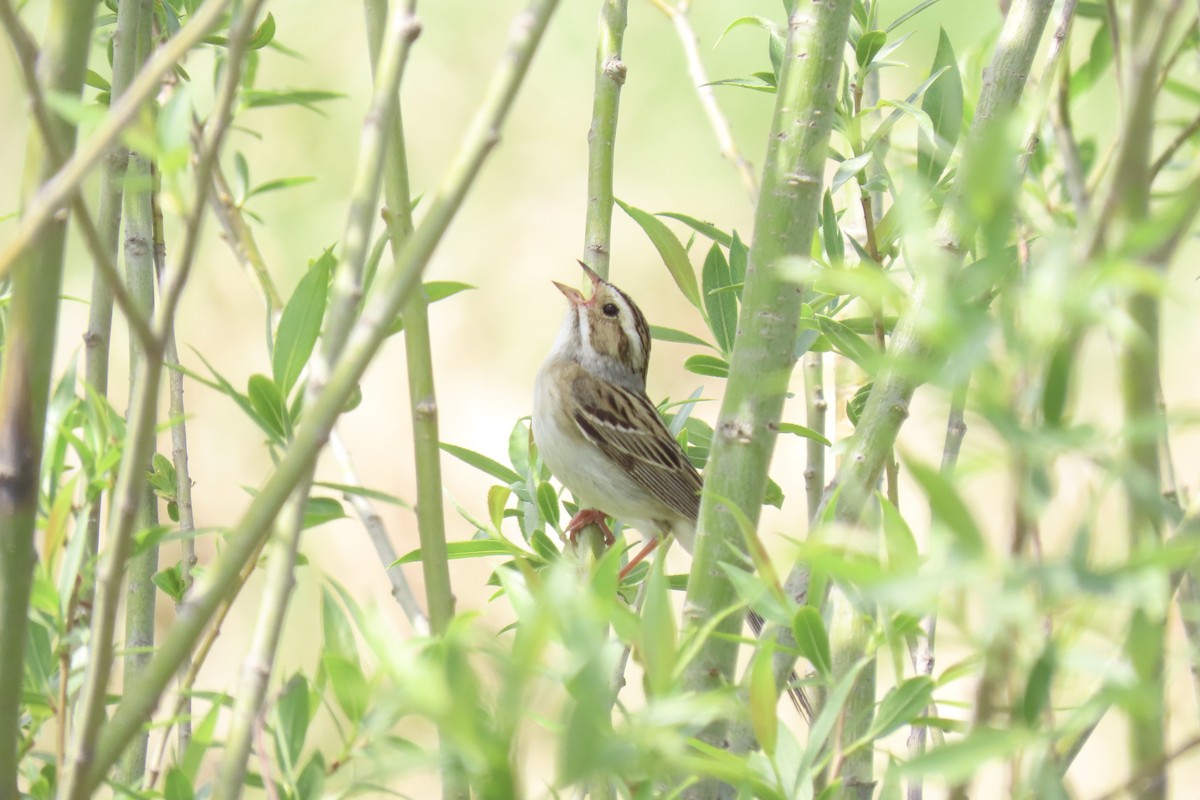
{"points": [[633, 562], [585, 517]]}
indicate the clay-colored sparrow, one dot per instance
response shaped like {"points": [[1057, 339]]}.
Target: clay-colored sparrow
{"points": [[598, 431], [602, 437]]}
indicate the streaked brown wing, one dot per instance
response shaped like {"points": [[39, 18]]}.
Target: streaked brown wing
{"points": [[626, 427]]}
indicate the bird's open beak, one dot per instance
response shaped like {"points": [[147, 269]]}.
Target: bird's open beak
{"points": [[574, 296]]}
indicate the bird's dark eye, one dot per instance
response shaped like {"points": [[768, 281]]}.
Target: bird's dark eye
{"points": [[610, 310]]}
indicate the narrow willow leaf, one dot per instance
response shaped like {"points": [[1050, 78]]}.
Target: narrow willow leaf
{"points": [[363, 491], [900, 544], [300, 323], [869, 44], [476, 548], [802, 431], [739, 257], [961, 759], [670, 249], [1037, 689], [293, 714], [658, 641], [812, 640], [269, 409], [177, 786], [848, 343], [482, 463], [349, 685], [907, 15], [678, 337], [700, 227], [711, 366], [947, 508], [337, 634], [547, 503], [849, 168], [831, 234], [764, 713], [902, 705], [721, 305], [943, 102], [319, 510]]}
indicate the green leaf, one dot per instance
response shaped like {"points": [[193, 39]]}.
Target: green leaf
{"points": [[1100, 56], [962, 759], [483, 463], [812, 640], [476, 548], [711, 366], [868, 45], [658, 641], [264, 35], [497, 499], [849, 168], [268, 406], [759, 82], [721, 305], [901, 545], [703, 228], [177, 786], [1037, 689], [319, 510], [947, 508], [305, 98], [1057, 383], [831, 234], [848, 343], [170, 580], [943, 102], [311, 782], [764, 714], [434, 291], [280, 183], [856, 404], [362, 491], [907, 15], [806, 433], [97, 81], [350, 687], [678, 337], [547, 503], [293, 715], [739, 256], [336, 631], [670, 249], [300, 323], [902, 705]]}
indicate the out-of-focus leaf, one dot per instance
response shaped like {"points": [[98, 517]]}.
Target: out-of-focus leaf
{"points": [[869, 44], [902, 705], [963, 758], [700, 227], [1037, 689], [268, 406], [948, 509], [476, 548], [848, 343], [856, 404], [319, 510], [803, 432], [658, 633], [764, 715], [849, 168], [831, 234], [943, 102], [293, 714], [349, 685], [812, 640]]}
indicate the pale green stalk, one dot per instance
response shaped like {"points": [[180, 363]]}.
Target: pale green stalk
{"points": [[25, 374], [887, 406], [57, 189], [140, 593], [602, 135], [763, 352], [366, 336], [112, 184], [82, 775], [1146, 644], [816, 410]]}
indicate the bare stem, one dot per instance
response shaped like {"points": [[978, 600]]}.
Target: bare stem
{"points": [[704, 93]]}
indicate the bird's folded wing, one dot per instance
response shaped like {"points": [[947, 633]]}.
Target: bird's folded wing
{"points": [[626, 427]]}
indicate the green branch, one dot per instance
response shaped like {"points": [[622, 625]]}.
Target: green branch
{"points": [[30, 330], [365, 337], [764, 351], [602, 135], [887, 407]]}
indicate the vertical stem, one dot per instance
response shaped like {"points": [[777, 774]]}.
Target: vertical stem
{"points": [[141, 592], [602, 135], [816, 410], [762, 360], [26, 372]]}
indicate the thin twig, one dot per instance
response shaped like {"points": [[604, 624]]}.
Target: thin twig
{"points": [[708, 99], [378, 534], [1171, 149]]}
